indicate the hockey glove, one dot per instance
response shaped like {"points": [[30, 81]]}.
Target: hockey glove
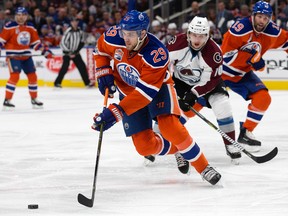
{"points": [[105, 79], [258, 66], [256, 61], [187, 101], [47, 53], [109, 116]]}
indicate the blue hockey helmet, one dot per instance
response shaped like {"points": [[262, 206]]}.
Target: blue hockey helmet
{"points": [[21, 10], [262, 7], [135, 21]]}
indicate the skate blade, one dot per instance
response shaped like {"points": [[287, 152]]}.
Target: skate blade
{"points": [[37, 107], [235, 161], [147, 162], [8, 109]]}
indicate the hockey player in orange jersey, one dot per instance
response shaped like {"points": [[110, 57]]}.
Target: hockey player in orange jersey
{"points": [[145, 85], [243, 47], [17, 37]]}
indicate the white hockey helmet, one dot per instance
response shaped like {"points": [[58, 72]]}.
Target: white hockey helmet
{"points": [[199, 25], [198, 32]]}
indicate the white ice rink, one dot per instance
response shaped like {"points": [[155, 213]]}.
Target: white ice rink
{"points": [[48, 156]]}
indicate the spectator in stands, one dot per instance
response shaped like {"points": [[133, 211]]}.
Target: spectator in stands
{"points": [[3, 19], [215, 33], [171, 32], [38, 21], [223, 17], [117, 17], [244, 11], [48, 37], [156, 29], [282, 14], [52, 12], [61, 17], [195, 11], [184, 27], [108, 21]]}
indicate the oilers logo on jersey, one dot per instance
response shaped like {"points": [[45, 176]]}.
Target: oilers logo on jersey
{"points": [[23, 38], [128, 73], [252, 46]]}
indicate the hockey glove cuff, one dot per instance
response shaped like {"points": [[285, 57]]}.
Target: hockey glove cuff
{"points": [[109, 116], [105, 79]]}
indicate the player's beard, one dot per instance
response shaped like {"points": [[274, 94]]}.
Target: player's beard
{"points": [[259, 28]]}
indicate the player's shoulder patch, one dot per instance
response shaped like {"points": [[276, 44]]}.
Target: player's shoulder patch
{"points": [[272, 29], [112, 36], [154, 52], [11, 24], [212, 54], [178, 42], [241, 27]]}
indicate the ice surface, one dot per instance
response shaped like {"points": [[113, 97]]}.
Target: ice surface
{"points": [[47, 157]]}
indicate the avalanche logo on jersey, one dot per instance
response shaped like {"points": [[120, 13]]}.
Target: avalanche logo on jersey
{"points": [[23, 38], [118, 54], [217, 57], [128, 73]]}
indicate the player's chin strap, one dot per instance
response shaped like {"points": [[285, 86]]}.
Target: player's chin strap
{"points": [[140, 42]]}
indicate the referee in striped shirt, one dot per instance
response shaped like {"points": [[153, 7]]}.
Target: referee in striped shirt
{"points": [[71, 44]]}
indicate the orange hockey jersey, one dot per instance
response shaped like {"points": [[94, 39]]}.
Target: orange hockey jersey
{"points": [[138, 75], [18, 39], [240, 39]]}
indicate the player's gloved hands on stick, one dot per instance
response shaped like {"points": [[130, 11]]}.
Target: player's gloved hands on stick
{"points": [[187, 101], [47, 53], [108, 117], [105, 79]]}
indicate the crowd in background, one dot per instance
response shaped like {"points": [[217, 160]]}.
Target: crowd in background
{"points": [[52, 18]]}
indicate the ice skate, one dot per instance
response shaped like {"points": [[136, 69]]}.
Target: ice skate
{"points": [[36, 103], [57, 86], [234, 153], [7, 105], [90, 85], [248, 140], [149, 159], [211, 175], [182, 164]]}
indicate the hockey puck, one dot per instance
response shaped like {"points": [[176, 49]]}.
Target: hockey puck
{"points": [[33, 206]]}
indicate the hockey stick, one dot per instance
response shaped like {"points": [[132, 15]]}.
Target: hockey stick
{"points": [[24, 55], [81, 198], [21, 55], [257, 159]]}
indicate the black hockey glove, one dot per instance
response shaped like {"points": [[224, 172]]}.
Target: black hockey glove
{"points": [[187, 101]]}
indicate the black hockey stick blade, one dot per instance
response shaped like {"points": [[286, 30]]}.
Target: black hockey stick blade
{"points": [[85, 201], [264, 158]]}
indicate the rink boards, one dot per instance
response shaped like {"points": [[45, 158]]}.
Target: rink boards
{"points": [[47, 70]]}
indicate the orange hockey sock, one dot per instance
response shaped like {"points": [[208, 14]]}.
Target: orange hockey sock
{"points": [[260, 102], [32, 84], [11, 85]]}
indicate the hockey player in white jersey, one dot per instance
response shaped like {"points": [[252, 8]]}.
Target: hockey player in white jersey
{"points": [[197, 76], [197, 68]]}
